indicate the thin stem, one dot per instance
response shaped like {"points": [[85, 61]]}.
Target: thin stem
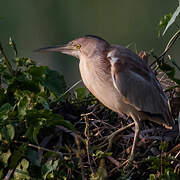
{"points": [[6, 61], [168, 46]]}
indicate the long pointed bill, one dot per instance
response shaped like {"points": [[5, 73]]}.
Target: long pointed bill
{"points": [[65, 49], [58, 48]]}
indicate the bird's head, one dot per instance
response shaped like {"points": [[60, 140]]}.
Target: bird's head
{"points": [[87, 46]]}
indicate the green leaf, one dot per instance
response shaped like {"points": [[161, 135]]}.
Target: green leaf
{"points": [[163, 22], [1, 174], [23, 106], [54, 82], [173, 18], [101, 172], [8, 132], [4, 157], [6, 108], [152, 177], [43, 101], [80, 93], [101, 154], [24, 62], [37, 73], [21, 171], [33, 157], [56, 119], [46, 117], [35, 133], [16, 156], [49, 167]]}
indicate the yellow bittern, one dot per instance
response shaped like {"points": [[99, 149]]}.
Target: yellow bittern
{"points": [[119, 79]]}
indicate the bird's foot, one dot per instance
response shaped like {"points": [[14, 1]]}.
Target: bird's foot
{"points": [[109, 139], [129, 161]]}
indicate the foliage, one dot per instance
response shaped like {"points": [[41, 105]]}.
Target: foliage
{"points": [[26, 93], [161, 165]]}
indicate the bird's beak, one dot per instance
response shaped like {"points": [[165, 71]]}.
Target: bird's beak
{"points": [[65, 49], [59, 48]]}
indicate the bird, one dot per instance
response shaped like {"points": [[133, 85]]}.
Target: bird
{"points": [[119, 79]]}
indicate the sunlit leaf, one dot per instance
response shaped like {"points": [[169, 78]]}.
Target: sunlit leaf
{"points": [[163, 22], [49, 167], [101, 172], [152, 177], [80, 93], [4, 157], [8, 132], [101, 154], [173, 18], [23, 106], [21, 171], [35, 133]]}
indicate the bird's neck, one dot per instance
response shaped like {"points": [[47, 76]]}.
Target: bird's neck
{"points": [[97, 64]]}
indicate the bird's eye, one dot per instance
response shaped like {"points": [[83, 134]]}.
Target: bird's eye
{"points": [[77, 46]]}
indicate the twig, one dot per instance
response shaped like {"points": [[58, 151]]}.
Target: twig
{"points": [[45, 149], [40, 148], [74, 85], [175, 64], [86, 133], [8, 175], [80, 158], [174, 149], [114, 161]]}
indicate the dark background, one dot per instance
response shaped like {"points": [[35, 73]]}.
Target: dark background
{"points": [[38, 23]]}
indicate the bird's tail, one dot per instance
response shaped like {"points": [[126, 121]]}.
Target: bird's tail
{"points": [[166, 119]]}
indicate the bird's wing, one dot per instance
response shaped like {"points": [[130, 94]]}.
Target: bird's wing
{"points": [[138, 85]]}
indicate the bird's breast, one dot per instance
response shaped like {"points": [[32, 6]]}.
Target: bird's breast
{"points": [[100, 84]]}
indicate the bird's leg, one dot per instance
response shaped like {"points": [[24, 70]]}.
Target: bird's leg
{"points": [[111, 137], [128, 162], [137, 129]]}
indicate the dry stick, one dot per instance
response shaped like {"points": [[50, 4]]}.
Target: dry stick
{"points": [[114, 161], [80, 159], [8, 175], [40, 148], [86, 133], [168, 46]]}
